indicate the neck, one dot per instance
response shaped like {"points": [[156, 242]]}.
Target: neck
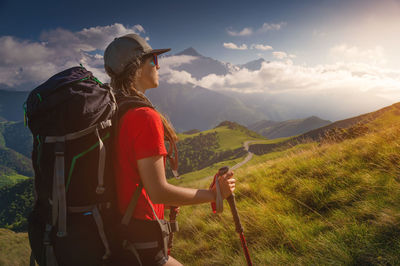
{"points": [[140, 88]]}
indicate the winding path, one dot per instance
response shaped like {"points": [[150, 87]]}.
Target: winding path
{"points": [[248, 157], [236, 166]]}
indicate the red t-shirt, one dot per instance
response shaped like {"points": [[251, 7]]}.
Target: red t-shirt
{"points": [[141, 135]]}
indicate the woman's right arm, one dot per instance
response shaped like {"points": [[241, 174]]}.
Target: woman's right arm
{"points": [[152, 173]]}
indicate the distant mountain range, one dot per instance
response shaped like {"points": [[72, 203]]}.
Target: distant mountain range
{"points": [[203, 66], [193, 107], [273, 129], [368, 121], [11, 105]]}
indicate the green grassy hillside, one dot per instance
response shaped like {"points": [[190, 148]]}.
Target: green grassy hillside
{"points": [[230, 135], [335, 203], [14, 247], [347, 128], [15, 149], [9, 177], [15, 161], [16, 136], [203, 149], [15, 204]]}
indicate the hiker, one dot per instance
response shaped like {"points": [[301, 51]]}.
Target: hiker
{"points": [[141, 154]]}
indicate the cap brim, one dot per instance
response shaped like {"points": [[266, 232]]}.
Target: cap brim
{"points": [[159, 51]]}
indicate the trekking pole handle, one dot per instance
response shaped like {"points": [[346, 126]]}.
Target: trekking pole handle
{"points": [[232, 203]]}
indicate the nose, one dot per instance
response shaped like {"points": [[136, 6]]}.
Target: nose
{"points": [[157, 67]]}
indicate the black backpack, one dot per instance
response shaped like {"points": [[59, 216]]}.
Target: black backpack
{"points": [[73, 119]]}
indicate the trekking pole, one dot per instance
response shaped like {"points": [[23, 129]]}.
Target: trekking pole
{"points": [[173, 212], [238, 225]]}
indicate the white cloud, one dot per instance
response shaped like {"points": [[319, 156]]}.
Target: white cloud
{"points": [[26, 62], [343, 52], [264, 28], [233, 46], [244, 32], [333, 91], [279, 55], [170, 75], [271, 26], [168, 62], [180, 77], [261, 47]]}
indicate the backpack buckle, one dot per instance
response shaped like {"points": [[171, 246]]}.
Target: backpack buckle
{"points": [[100, 189]]}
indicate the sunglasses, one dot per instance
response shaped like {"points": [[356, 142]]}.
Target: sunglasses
{"points": [[154, 60]]}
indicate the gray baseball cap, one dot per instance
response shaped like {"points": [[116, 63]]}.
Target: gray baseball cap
{"points": [[122, 50]]}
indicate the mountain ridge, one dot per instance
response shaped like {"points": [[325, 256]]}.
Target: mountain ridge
{"points": [[275, 129]]}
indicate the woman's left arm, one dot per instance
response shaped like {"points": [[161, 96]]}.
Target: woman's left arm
{"points": [[152, 173]]}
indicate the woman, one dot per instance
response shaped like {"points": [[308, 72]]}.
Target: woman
{"points": [[133, 67]]}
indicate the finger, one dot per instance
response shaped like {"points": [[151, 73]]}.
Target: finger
{"points": [[231, 180], [228, 174]]}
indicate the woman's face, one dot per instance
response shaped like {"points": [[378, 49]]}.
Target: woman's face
{"points": [[148, 76]]}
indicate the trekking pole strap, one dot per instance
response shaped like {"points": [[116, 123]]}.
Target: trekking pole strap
{"points": [[218, 205], [219, 201]]}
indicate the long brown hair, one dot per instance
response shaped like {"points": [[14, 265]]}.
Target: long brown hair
{"points": [[124, 84]]}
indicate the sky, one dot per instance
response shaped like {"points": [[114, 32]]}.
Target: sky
{"points": [[315, 47]]}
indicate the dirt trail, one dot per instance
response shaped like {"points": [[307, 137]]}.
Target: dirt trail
{"points": [[248, 158]]}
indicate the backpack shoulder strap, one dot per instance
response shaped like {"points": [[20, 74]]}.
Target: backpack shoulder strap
{"points": [[132, 204], [125, 103]]}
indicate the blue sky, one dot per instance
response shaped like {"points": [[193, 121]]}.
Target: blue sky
{"points": [[309, 28], [334, 54]]}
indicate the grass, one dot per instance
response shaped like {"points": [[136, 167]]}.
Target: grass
{"points": [[228, 138], [14, 248], [11, 179], [203, 177], [330, 204]]}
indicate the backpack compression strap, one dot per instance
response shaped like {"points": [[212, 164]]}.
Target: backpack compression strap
{"points": [[59, 205]]}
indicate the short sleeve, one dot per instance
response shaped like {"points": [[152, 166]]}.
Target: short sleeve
{"points": [[143, 132]]}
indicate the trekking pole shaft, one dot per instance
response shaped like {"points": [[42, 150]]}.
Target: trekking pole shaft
{"points": [[236, 219], [239, 228], [245, 249], [172, 218]]}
